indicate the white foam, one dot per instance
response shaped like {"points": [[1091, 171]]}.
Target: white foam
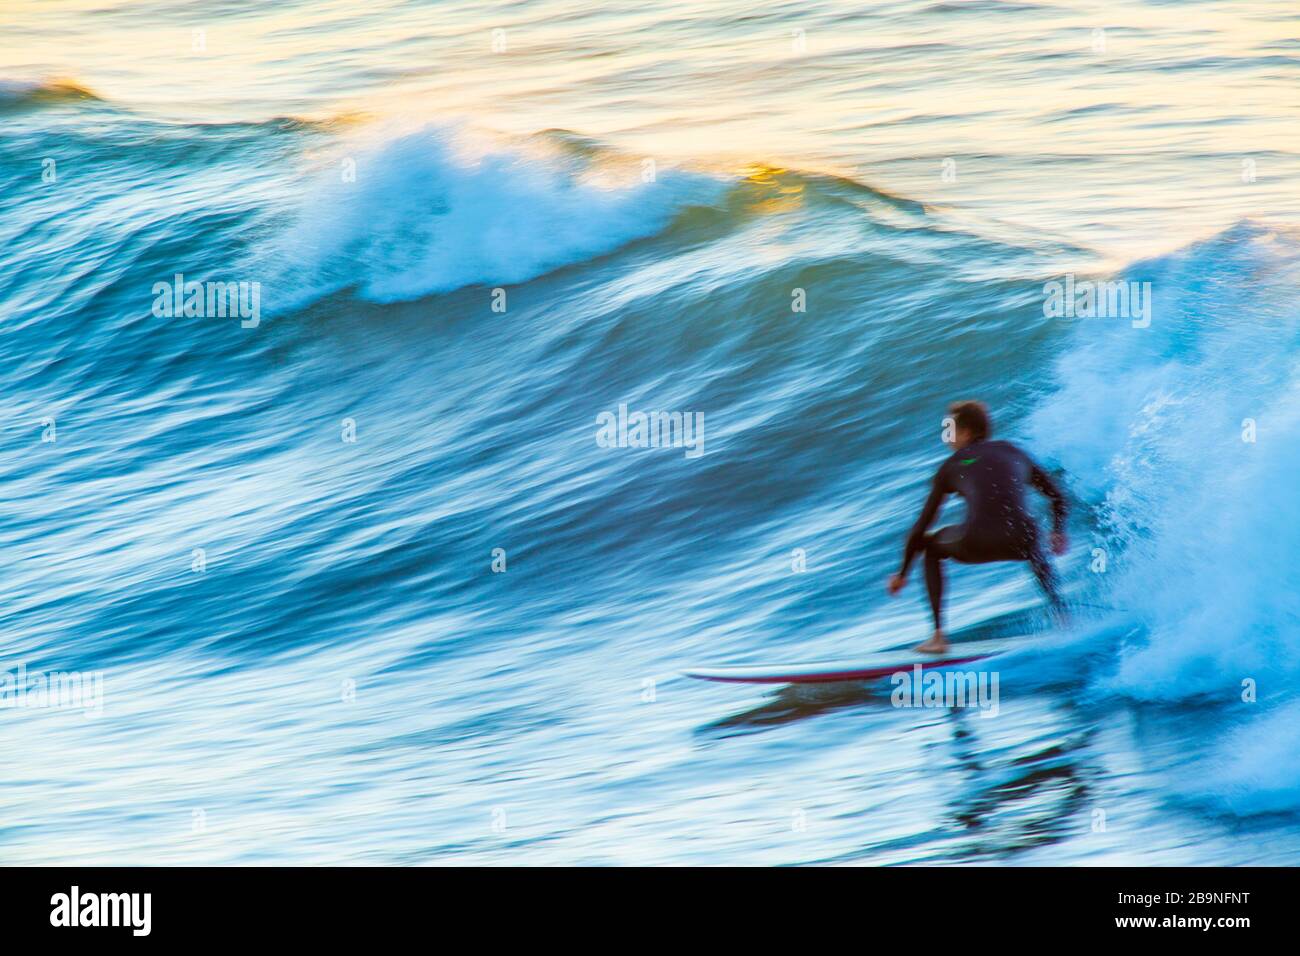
{"points": [[432, 210], [1201, 527]]}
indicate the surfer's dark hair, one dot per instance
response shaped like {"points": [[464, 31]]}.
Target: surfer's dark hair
{"points": [[973, 417]]}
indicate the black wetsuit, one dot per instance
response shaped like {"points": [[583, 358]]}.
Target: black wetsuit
{"points": [[991, 476]]}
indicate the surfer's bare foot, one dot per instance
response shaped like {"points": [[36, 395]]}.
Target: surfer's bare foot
{"points": [[937, 644]]}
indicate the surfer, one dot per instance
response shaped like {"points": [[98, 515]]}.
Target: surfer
{"points": [[991, 477]]}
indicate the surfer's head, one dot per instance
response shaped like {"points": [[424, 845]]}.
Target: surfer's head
{"points": [[970, 422]]}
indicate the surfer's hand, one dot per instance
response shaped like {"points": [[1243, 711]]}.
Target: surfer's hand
{"points": [[1059, 543], [896, 582]]}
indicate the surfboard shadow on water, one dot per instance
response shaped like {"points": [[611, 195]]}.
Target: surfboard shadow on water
{"points": [[800, 701], [791, 702]]}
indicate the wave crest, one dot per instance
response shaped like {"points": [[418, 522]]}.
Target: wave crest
{"points": [[430, 211], [32, 92]]}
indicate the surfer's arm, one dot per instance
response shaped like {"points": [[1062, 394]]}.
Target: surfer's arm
{"points": [[1040, 480], [916, 538]]}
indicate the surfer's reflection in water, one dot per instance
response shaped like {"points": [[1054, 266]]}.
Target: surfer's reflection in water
{"points": [[1046, 781], [1016, 792], [991, 476]]}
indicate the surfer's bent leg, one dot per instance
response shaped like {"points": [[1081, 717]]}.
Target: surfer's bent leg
{"points": [[942, 544], [934, 583], [970, 547]]}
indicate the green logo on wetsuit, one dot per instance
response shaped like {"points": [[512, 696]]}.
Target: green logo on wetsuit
{"points": [[969, 461]]}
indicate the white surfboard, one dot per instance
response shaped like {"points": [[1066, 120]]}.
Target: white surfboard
{"points": [[871, 667]]}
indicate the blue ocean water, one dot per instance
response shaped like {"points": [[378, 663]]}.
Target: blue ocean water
{"points": [[363, 586]]}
